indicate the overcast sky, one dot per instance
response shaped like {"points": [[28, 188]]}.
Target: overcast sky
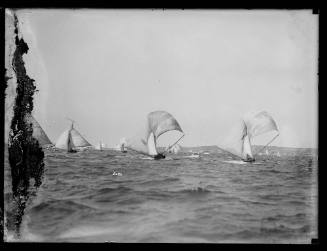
{"points": [[107, 69]]}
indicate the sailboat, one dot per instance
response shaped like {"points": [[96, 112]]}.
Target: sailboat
{"points": [[251, 125], [122, 145], [123, 148], [100, 146], [158, 123], [71, 140], [38, 132]]}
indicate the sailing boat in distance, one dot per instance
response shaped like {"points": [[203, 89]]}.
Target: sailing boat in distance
{"points": [[251, 125], [101, 146], [71, 140], [122, 146], [158, 123]]}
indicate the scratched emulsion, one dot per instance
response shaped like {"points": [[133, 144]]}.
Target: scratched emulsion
{"points": [[180, 199], [24, 154]]}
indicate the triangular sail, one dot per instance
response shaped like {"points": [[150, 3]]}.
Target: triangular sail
{"points": [[62, 140], [152, 144], [158, 123], [251, 125], [234, 142], [38, 132], [247, 149], [76, 138], [70, 144]]}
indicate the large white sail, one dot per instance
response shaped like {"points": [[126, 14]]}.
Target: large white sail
{"points": [[70, 143], [152, 149], [252, 124], [77, 139], [258, 123], [158, 122], [234, 141], [38, 132], [247, 149]]}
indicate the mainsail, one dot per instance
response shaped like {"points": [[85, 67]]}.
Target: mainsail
{"points": [[38, 132], [76, 138], [70, 143], [250, 126], [158, 123]]}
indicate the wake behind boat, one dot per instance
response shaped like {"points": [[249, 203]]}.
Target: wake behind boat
{"points": [[158, 123], [251, 125]]}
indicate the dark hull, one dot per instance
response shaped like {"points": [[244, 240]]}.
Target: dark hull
{"points": [[159, 156]]}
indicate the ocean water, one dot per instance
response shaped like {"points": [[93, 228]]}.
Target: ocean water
{"points": [[108, 196]]}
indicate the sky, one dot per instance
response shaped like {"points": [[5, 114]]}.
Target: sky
{"points": [[107, 69]]}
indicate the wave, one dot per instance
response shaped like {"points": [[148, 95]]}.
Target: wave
{"points": [[281, 217], [196, 190], [159, 181], [282, 229], [109, 190], [61, 206]]}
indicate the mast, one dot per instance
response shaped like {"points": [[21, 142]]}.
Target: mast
{"points": [[69, 142]]}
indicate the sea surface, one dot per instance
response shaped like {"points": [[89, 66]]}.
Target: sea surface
{"points": [[109, 196]]}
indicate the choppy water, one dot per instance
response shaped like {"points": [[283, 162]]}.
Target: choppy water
{"points": [[179, 199]]}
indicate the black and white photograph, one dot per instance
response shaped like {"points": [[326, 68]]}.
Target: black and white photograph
{"points": [[161, 125]]}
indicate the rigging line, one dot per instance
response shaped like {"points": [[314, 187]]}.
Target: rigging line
{"points": [[174, 143], [267, 144]]}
